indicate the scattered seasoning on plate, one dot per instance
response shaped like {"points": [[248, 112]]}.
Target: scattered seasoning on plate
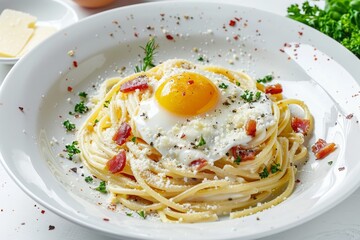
{"points": [[69, 88], [75, 64], [169, 37], [341, 168], [42, 211], [51, 227], [350, 116], [74, 169], [21, 109], [106, 219]]}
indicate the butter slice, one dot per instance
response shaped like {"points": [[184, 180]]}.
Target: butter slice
{"points": [[40, 33], [16, 29]]}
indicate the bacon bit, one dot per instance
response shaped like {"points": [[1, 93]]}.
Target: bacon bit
{"points": [[42, 211], [129, 176], [232, 23], [273, 89], [117, 163], [69, 89], [75, 64], [250, 127], [300, 125], [122, 134], [350, 116], [190, 82], [321, 148], [21, 109], [199, 163], [140, 83], [169, 37], [244, 154]]}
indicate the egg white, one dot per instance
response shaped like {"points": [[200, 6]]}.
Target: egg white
{"points": [[178, 137]]}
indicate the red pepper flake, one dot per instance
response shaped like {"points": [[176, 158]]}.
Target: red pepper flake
{"points": [[341, 168], [244, 154], [106, 219], [75, 64], [190, 82], [300, 33], [69, 89], [300, 125], [169, 37], [273, 89], [350, 116], [21, 109], [51, 227], [232, 23], [42, 211]]}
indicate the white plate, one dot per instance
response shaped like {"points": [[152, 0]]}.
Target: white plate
{"points": [[53, 13], [319, 71]]}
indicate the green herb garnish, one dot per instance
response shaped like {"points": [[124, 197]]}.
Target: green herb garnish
{"points": [[69, 126], [257, 95], [83, 95], [147, 61], [264, 173], [274, 168], [106, 103], [201, 59], [266, 79], [238, 84], [142, 214], [223, 86], [248, 96], [128, 214], [89, 179], [81, 107], [96, 121], [202, 142], [237, 160], [71, 149], [133, 139], [102, 187], [340, 19], [330, 162]]}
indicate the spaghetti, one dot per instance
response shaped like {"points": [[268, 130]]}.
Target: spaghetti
{"points": [[248, 178]]}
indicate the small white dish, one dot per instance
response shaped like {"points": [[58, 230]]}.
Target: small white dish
{"points": [[35, 100], [54, 13]]}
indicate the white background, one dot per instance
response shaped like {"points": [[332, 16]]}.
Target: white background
{"points": [[22, 218]]}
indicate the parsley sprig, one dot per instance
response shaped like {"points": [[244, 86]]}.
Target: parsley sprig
{"points": [[264, 173], [249, 96], [142, 214], [340, 20], [148, 60], [69, 126], [72, 149], [266, 79], [102, 187], [81, 107], [202, 142]]}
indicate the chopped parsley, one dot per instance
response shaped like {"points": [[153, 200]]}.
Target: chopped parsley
{"points": [[264, 173], [148, 60], [69, 126], [81, 107], [266, 79], [330, 162], [96, 121], [202, 142], [237, 160], [275, 168], [106, 103], [83, 95], [133, 139], [223, 86], [238, 84], [71, 149], [142, 214], [89, 179], [201, 59], [129, 214], [248, 96], [102, 187]]}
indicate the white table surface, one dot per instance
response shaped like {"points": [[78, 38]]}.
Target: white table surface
{"points": [[22, 218]]}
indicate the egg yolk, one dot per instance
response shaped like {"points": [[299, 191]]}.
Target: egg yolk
{"points": [[187, 94]]}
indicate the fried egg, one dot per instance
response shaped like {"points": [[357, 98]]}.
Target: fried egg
{"points": [[197, 112]]}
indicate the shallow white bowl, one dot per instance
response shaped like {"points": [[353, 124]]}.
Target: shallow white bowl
{"points": [[319, 71]]}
